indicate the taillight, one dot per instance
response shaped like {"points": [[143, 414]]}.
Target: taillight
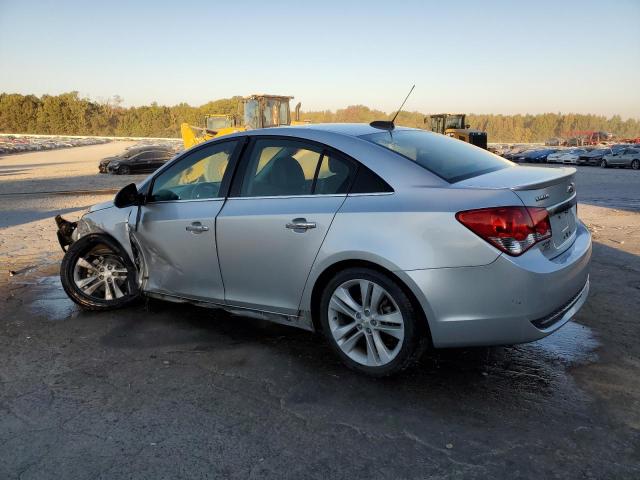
{"points": [[514, 230]]}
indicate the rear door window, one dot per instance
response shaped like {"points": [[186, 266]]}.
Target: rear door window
{"points": [[451, 160], [284, 167]]}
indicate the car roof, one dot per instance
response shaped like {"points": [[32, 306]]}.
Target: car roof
{"points": [[344, 137], [348, 129]]}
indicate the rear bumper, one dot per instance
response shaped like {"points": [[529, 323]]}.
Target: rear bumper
{"points": [[512, 300]]}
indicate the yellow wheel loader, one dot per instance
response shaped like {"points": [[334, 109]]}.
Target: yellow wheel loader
{"points": [[256, 111], [454, 125]]}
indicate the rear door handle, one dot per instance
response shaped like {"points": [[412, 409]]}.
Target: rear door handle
{"points": [[197, 227], [300, 224]]}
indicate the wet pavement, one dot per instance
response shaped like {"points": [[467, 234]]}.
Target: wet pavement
{"points": [[161, 390]]}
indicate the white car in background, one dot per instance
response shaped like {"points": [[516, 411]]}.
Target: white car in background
{"points": [[566, 156]]}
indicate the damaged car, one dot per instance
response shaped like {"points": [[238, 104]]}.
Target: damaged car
{"points": [[388, 240], [144, 159]]}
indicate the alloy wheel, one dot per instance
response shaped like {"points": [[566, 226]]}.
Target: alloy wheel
{"points": [[635, 164], [102, 277], [366, 323]]}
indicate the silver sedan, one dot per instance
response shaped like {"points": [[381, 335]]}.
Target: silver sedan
{"points": [[388, 240]]}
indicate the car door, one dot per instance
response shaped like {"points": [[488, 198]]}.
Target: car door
{"points": [[280, 208], [177, 228], [616, 158], [631, 154], [137, 162], [153, 160]]}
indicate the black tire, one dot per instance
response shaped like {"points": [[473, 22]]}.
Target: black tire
{"points": [[124, 170], [635, 164], [604, 164], [415, 329], [99, 246]]}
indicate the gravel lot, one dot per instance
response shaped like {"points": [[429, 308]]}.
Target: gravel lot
{"points": [[165, 391]]}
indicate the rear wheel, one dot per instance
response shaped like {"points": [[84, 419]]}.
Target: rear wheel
{"points": [[604, 164], [370, 322], [635, 164], [98, 275]]}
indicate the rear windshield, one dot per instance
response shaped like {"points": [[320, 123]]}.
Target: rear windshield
{"points": [[453, 160]]}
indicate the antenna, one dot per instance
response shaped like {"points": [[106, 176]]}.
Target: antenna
{"points": [[388, 124], [405, 101]]}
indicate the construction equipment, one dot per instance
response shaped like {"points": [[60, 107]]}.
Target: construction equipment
{"points": [[453, 125], [255, 111]]}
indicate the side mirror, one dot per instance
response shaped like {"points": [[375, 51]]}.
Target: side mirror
{"points": [[127, 196]]}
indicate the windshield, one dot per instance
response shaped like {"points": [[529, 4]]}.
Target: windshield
{"points": [[453, 160], [217, 123], [251, 113], [275, 113], [454, 121]]}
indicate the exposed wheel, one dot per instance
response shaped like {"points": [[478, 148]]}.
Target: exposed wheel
{"points": [[370, 322], [604, 164], [98, 275], [124, 170], [635, 164]]}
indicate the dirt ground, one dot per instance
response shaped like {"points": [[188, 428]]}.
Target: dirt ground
{"points": [[164, 391]]}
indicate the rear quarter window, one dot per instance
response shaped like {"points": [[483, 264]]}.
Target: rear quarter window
{"points": [[450, 159]]}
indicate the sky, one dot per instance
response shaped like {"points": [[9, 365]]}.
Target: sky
{"points": [[470, 56]]}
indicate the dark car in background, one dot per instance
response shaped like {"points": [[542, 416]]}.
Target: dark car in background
{"points": [[146, 161], [593, 157], [535, 156], [132, 152]]}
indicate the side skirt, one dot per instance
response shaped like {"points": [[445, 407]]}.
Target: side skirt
{"points": [[299, 321]]}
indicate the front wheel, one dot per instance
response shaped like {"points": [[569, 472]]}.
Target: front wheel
{"points": [[370, 322], [635, 164], [124, 170], [603, 164], [98, 275]]}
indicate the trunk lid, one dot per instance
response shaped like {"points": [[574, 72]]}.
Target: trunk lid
{"points": [[551, 188]]}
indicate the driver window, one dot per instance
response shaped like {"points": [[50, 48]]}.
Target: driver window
{"points": [[196, 176]]}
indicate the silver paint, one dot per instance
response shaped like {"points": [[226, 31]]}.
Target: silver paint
{"points": [[248, 260]]}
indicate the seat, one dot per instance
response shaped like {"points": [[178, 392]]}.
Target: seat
{"points": [[283, 177], [336, 183]]}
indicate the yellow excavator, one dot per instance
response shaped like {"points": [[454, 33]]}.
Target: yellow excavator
{"points": [[255, 111], [454, 125]]}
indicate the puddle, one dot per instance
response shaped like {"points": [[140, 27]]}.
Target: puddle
{"points": [[50, 300], [572, 344]]}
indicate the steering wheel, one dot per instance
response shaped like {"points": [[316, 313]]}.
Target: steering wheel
{"points": [[204, 190]]}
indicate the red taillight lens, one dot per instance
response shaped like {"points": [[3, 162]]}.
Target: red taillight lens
{"points": [[513, 230]]}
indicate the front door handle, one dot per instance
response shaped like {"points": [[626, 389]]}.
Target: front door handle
{"points": [[197, 227], [300, 224]]}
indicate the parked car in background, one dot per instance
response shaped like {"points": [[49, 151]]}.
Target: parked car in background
{"points": [[628, 157], [593, 157], [26, 143], [569, 156], [514, 151], [145, 161], [103, 166], [535, 156], [293, 225], [555, 157]]}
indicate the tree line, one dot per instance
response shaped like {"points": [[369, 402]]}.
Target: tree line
{"points": [[70, 114]]}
